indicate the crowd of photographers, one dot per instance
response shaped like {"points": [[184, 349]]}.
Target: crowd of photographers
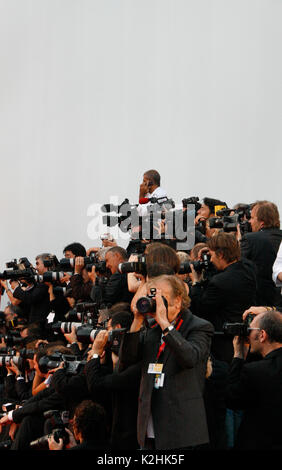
{"points": [[149, 346]]}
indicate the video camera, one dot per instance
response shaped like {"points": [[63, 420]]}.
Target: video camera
{"points": [[229, 223], [123, 212], [238, 329], [18, 270], [72, 365]]}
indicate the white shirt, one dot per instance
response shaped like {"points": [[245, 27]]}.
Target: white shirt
{"points": [[157, 193], [277, 267]]}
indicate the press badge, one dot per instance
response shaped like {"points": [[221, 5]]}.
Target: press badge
{"points": [[155, 368], [159, 381]]}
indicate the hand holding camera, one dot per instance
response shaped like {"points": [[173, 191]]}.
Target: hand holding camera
{"points": [[79, 264], [241, 347], [99, 343], [161, 311]]}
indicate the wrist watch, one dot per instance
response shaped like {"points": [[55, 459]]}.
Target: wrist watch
{"points": [[95, 356], [168, 328]]}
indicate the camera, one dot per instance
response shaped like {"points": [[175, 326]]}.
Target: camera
{"points": [[86, 334], [147, 304], [65, 327], [227, 223], [230, 223], [5, 445], [64, 291], [68, 264], [59, 431], [13, 338], [126, 212], [84, 312], [203, 264], [49, 276], [72, 366], [238, 329], [194, 200], [52, 263], [19, 358], [134, 266], [18, 270], [17, 361]]}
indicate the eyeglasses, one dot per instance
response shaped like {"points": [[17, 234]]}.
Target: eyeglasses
{"points": [[250, 329]]}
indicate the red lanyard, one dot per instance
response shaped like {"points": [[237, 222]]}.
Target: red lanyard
{"points": [[163, 345]]}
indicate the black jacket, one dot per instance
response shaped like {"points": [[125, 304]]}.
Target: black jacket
{"points": [[178, 405], [227, 295], [116, 290], [37, 299], [261, 248], [124, 388], [256, 388], [80, 290]]}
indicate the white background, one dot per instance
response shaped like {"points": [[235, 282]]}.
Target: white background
{"points": [[95, 92]]}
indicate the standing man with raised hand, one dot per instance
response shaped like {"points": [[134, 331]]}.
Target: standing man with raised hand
{"points": [[150, 188]]}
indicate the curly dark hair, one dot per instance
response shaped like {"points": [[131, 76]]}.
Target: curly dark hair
{"points": [[90, 420]]}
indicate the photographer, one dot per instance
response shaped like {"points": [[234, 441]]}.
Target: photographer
{"points": [[156, 253], [36, 295], [116, 288], [261, 247], [205, 212], [228, 293], [20, 375], [255, 387], [80, 281], [123, 387], [173, 352], [71, 251], [30, 415], [89, 429]]}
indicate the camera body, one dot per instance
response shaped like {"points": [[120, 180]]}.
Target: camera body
{"points": [[229, 223], [86, 334], [68, 264], [147, 304], [138, 267], [203, 264], [71, 364], [58, 432], [238, 329], [18, 270]]}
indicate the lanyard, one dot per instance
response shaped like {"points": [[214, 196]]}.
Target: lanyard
{"points": [[178, 324]]}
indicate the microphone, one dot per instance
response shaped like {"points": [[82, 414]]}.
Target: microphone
{"points": [[144, 200]]}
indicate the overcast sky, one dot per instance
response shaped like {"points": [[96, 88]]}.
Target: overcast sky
{"points": [[95, 92]]}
